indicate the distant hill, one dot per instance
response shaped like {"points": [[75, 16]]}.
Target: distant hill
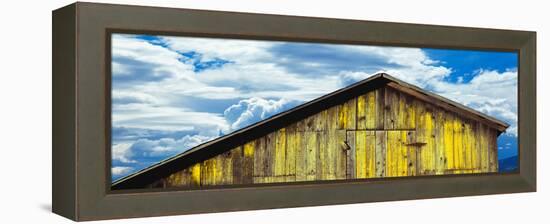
{"points": [[509, 164]]}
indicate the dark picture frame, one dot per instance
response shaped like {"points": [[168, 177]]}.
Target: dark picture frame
{"points": [[81, 110]]}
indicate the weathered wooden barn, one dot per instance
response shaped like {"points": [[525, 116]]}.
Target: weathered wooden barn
{"points": [[379, 127]]}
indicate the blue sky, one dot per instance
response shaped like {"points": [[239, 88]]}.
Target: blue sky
{"points": [[173, 93]]}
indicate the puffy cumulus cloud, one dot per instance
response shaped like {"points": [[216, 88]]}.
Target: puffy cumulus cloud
{"points": [[255, 109]]}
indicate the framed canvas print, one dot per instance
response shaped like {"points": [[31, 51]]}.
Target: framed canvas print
{"points": [[202, 111]]}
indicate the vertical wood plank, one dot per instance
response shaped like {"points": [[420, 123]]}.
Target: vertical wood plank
{"points": [[351, 164], [476, 151], [351, 123], [468, 146], [226, 168], [196, 175], [380, 108], [370, 154], [402, 116], [260, 159], [399, 113], [342, 113], [341, 155], [320, 170], [301, 156], [448, 141], [347, 115], [291, 145], [238, 165], [412, 154], [403, 154], [323, 161], [320, 121], [407, 112], [279, 167], [361, 154], [218, 171], [493, 160], [371, 111], [425, 133], [365, 142], [210, 171], [458, 145], [362, 111], [484, 146], [440, 146], [381, 137], [248, 159], [431, 151], [422, 136], [329, 157], [204, 173], [392, 152], [270, 145], [391, 109], [311, 155]]}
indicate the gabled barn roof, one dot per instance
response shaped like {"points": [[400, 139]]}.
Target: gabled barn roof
{"points": [[239, 137]]}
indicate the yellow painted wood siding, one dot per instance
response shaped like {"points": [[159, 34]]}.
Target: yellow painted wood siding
{"points": [[382, 133]]}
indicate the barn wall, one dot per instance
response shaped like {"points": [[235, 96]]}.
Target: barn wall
{"points": [[383, 133]]}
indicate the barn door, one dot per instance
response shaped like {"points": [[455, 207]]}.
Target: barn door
{"points": [[381, 153]]}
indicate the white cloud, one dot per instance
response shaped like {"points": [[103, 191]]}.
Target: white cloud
{"points": [[121, 151], [118, 171], [412, 64], [167, 118], [164, 146], [209, 48], [126, 46], [255, 109], [119, 69], [125, 97]]}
